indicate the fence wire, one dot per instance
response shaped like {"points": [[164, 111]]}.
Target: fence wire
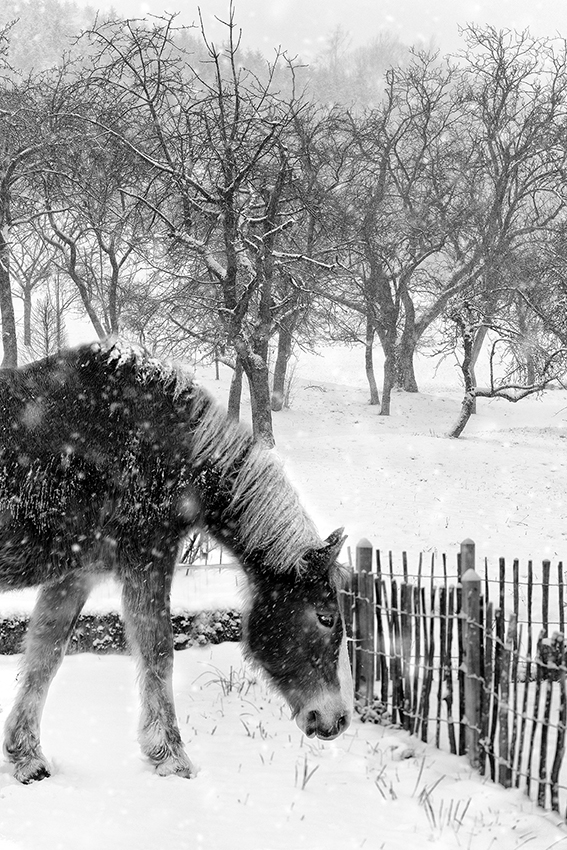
{"points": [[413, 650]]}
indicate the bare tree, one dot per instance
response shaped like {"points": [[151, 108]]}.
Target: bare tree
{"points": [[30, 268], [456, 172], [513, 96], [96, 232], [219, 178], [24, 111], [48, 321], [398, 200], [504, 379]]}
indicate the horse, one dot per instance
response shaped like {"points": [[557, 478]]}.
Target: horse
{"points": [[108, 458]]}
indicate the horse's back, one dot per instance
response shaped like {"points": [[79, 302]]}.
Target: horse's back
{"points": [[75, 469]]}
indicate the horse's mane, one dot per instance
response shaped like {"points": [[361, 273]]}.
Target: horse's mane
{"points": [[270, 516], [174, 377]]}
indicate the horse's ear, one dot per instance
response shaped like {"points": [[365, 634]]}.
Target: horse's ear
{"points": [[329, 551], [334, 542]]}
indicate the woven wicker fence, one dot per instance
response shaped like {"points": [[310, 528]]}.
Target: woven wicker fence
{"points": [[474, 663]]}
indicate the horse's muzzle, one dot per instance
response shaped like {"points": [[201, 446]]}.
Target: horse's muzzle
{"points": [[328, 712], [326, 716], [317, 725]]}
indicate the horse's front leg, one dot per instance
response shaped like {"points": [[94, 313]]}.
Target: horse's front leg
{"points": [[51, 623], [147, 615]]}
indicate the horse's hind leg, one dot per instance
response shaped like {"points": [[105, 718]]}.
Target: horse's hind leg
{"points": [[56, 611], [148, 621]]}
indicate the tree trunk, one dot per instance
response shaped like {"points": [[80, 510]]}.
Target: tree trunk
{"points": [[530, 366], [258, 380], [7, 317], [369, 362], [27, 313], [405, 373], [476, 347], [389, 379], [71, 263], [113, 308], [101, 332], [235, 392], [525, 352], [469, 400], [255, 367], [59, 323], [285, 338]]}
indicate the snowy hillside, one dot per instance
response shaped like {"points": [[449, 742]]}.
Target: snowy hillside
{"points": [[402, 483]]}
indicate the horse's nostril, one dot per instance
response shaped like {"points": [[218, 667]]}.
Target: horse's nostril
{"points": [[342, 723], [311, 723]]}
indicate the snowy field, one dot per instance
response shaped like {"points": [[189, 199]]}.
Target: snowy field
{"points": [[262, 786]]}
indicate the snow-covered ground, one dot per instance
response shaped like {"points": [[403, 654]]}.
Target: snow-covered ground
{"points": [[262, 785], [402, 483], [398, 481]]}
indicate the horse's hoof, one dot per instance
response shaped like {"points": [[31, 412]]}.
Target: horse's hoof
{"points": [[172, 767], [33, 771]]}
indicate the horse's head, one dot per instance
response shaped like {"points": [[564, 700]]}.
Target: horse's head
{"points": [[294, 629]]}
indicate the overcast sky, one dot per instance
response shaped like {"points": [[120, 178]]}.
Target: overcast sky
{"points": [[301, 26]]}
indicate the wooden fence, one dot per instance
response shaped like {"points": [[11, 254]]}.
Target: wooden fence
{"points": [[472, 663]]}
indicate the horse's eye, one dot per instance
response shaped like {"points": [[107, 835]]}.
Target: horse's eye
{"points": [[327, 620]]}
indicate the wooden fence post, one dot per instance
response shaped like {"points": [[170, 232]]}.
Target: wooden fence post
{"points": [[470, 581], [505, 758], [364, 617], [348, 595]]}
